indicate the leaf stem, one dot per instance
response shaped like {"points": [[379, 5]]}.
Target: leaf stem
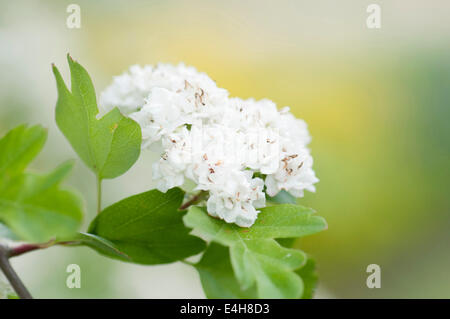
{"points": [[11, 275], [194, 200], [99, 194], [25, 248]]}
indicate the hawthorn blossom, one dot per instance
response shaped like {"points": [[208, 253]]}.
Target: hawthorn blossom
{"points": [[237, 150]]}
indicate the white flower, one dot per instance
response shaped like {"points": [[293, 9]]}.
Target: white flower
{"points": [[217, 142], [128, 90], [190, 90], [234, 197], [295, 174]]}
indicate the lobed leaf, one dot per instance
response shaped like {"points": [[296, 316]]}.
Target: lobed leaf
{"points": [[282, 197], [256, 257], [110, 145], [217, 277], [33, 206], [18, 148], [307, 272], [309, 276]]}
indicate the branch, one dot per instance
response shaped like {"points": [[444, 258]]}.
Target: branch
{"points": [[11, 275]]}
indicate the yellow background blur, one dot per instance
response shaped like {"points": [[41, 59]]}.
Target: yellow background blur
{"points": [[377, 102]]}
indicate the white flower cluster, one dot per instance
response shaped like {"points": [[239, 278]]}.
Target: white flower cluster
{"points": [[226, 146]]}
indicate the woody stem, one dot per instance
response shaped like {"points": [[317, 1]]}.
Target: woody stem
{"points": [[11, 275]]}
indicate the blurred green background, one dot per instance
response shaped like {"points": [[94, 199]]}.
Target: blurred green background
{"points": [[377, 102]]}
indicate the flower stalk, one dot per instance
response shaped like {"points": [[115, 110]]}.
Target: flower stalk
{"points": [[99, 194], [194, 200]]}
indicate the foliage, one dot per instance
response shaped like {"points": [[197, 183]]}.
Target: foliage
{"points": [[256, 257], [109, 145], [33, 206], [147, 228]]}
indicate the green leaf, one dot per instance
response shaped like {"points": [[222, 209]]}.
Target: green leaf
{"points": [[18, 148], [109, 146], [217, 277], [307, 272], [98, 243], [5, 232], [33, 206], [282, 197], [286, 242], [255, 255], [36, 209], [148, 227], [218, 281], [309, 276]]}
